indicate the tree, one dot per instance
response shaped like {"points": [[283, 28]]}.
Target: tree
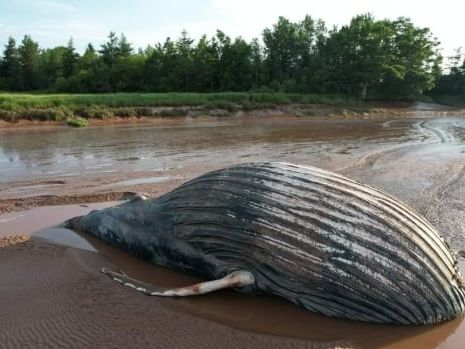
{"points": [[457, 63], [10, 69], [153, 68], [124, 47], [51, 67], [416, 51], [390, 58], [184, 62], [358, 56], [29, 63], [310, 71], [236, 63], [452, 84], [369, 58], [70, 59], [280, 50], [86, 73], [205, 65], [256, 56], [88, 59], [109, 50], [128, 73], [292, 53]]}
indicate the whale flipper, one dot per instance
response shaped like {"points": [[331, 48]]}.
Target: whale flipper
{"points": [[238, 278]]}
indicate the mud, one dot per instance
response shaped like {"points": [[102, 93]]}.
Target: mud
{"points": [[51, 294]]}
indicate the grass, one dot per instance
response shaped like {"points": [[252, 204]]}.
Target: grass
{"points": [[77, 122], [58, 107], [13, 101]]}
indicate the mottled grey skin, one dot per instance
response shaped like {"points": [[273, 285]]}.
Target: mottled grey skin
{"points": [[320, 240]]}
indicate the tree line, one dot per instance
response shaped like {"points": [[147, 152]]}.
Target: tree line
{"points": [[368, 58]]}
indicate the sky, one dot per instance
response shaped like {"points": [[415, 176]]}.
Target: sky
{"points": [[53, 22]]}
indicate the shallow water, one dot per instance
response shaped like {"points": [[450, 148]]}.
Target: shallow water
{"points": [[43, 153], [26, 154]]}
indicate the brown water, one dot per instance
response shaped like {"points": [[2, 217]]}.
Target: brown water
{"points": [[41, 154], [421, 161]]}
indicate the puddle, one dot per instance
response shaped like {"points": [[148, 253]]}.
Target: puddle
{"points": [[66, 237], [30, 221]]}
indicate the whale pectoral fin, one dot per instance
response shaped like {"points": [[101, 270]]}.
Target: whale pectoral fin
{"points": [[238, 278]]}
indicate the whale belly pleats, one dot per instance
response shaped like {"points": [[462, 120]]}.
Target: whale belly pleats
{"points": [[318, 239]]}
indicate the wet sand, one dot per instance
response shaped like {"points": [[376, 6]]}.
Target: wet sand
{"points": [[51, 294]]}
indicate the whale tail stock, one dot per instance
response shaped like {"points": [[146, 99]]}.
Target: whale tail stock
{"points": [[239, 278]]}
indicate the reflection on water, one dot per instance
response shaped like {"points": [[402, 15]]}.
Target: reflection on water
{"points": [[26, 154]]}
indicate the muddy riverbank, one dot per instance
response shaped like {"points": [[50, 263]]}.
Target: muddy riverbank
{"points": [[107, 115], [52, 294]]}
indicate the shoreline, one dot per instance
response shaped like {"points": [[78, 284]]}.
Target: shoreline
{"points": [[364, 111]]}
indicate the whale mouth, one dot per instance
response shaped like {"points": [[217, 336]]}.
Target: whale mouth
{"points": [[73, 224]]}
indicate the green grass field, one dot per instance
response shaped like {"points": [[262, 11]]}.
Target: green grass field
{"points": [[58, 107], [16, 101]]}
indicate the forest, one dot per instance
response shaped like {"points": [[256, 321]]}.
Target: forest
{"points": [[367, 58]]}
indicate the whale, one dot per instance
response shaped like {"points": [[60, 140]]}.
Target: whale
{"points": [[324, 242]]}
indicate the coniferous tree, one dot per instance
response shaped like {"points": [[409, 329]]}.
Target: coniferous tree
{"points": [[51, 67], [109, 51], [29, 63], [70, 59], [124, 47], [184, 62], [257, 63], [10, 69]]}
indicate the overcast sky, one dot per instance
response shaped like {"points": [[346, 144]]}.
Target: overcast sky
{"points": [[53, 22]]}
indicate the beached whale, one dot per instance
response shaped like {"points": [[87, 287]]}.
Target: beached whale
{"points": [[327, 243]]}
